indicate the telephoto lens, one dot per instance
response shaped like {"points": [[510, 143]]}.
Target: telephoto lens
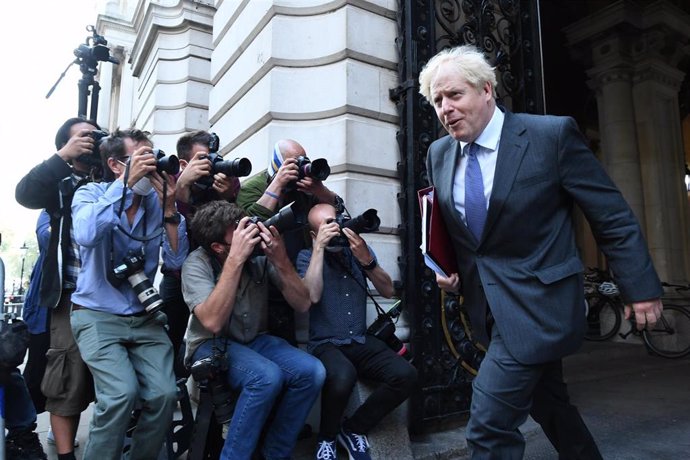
{"points": [[147, 294]]}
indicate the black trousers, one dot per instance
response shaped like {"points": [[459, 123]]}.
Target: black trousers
{"points": [[177, 312], [36, 367], [374, 361], [560, 420]]}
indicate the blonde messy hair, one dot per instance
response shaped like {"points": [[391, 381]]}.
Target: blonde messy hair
{"points": [[468, 59]]}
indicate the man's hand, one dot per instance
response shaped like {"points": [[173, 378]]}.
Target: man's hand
{"points": [[450, 284], [226, 187], [646, 312], [325, 234], [77, 145], [244, 238], [157, 180], [358, 247], [199, 166], [272, 244], [141, 163], [287, 173]]}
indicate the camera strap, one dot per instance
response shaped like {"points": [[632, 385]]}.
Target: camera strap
{"points": [[379, 309], [144, 238]]}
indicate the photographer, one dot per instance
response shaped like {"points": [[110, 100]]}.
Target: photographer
{"points": [[336, 277], [50, 185], [195, 167], [120, 226], [263, 194], [225, 288]]}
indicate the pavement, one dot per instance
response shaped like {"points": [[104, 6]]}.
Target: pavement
{"points": [[636, 405]]}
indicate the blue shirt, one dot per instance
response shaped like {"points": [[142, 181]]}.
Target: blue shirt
{"points": [[341, 315], [95, 223], [34, 315]]}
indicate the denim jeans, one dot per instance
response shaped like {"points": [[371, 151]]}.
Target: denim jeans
{"points": [[267, 371], [20, 414]]}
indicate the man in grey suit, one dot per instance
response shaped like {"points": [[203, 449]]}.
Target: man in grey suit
{"points": [[506, 184]]}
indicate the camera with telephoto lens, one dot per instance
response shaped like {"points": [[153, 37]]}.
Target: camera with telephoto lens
{"points": [[132, 269], [166, 163], [290, 217], [383, 328], [239, 167], [210, 372], [367, 222], [318, 169], [93, 159]]}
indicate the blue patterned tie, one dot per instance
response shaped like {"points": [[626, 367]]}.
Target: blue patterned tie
{"points": [[475, 202]]}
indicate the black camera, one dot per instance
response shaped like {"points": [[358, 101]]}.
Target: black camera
{"points": [[210, 372], [93, 159], [290, 217], [367, 222], [318, 169], [132, 269], [239, 167], [169, 164], [383, 329]]}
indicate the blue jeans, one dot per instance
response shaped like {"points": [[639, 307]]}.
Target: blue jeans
{"points": [[267, 371], [19, 409]]}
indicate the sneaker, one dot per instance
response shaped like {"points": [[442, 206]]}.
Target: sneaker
{"points": [[24, 446], [357, 445], [326, 450], [51, 439]]}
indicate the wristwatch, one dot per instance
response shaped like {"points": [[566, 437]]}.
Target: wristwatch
{"points": [[174, 219]]}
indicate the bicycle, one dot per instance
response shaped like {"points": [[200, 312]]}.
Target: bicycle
{"points": [[670, 336]]}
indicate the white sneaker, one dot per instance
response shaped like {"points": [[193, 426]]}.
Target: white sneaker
{"points": [[51, 439]]}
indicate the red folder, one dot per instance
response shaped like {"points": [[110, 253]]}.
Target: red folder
{"points": [[437, 247]]}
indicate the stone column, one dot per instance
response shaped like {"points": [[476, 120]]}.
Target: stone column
{"points": [[633, 50], [657, 116]]}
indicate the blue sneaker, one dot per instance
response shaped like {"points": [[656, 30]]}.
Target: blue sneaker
{"points": [[326, 450], [357, 445]]}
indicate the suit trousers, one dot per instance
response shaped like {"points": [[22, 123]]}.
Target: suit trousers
{"points": [[505, 392]]}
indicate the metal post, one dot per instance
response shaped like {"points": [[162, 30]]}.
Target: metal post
{"points": [[24, 248]]}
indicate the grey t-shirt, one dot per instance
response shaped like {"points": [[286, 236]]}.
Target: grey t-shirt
{"points": [[250, 313]]}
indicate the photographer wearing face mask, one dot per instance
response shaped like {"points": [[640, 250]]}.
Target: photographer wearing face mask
{"points": [[120, 226], [50, 185], [336, 278], [226, 290]]}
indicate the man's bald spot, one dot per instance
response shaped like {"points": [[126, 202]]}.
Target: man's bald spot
{"points": [[290, 148], [318, 213]]}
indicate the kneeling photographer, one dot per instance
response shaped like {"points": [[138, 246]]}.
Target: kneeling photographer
{"points": [[335, 271], [225, 287], [120, 225]]}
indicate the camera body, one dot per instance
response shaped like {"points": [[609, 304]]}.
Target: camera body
{"points": [[132, 270], [93, 159], [210, 372], [290, 217], [166, 163], [239, 167], [367, 222], [383, 329]]}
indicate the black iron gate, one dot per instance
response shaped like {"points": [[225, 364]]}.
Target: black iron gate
{"points": [[508, 31]]}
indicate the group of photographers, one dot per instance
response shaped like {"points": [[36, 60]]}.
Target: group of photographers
{"points": [[114, 202]]}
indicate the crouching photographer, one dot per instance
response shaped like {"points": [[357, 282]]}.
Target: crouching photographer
{"points": [[335, 271], [120, 225], [226, 290]]}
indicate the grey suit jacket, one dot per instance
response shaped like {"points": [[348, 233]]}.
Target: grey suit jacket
{"points": [[526, 266]]}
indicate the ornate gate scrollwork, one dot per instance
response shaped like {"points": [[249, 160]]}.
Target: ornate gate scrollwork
{"points": [[508, 31]]}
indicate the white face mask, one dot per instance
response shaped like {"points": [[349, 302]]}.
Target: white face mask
{"points": [[143, 187]]}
